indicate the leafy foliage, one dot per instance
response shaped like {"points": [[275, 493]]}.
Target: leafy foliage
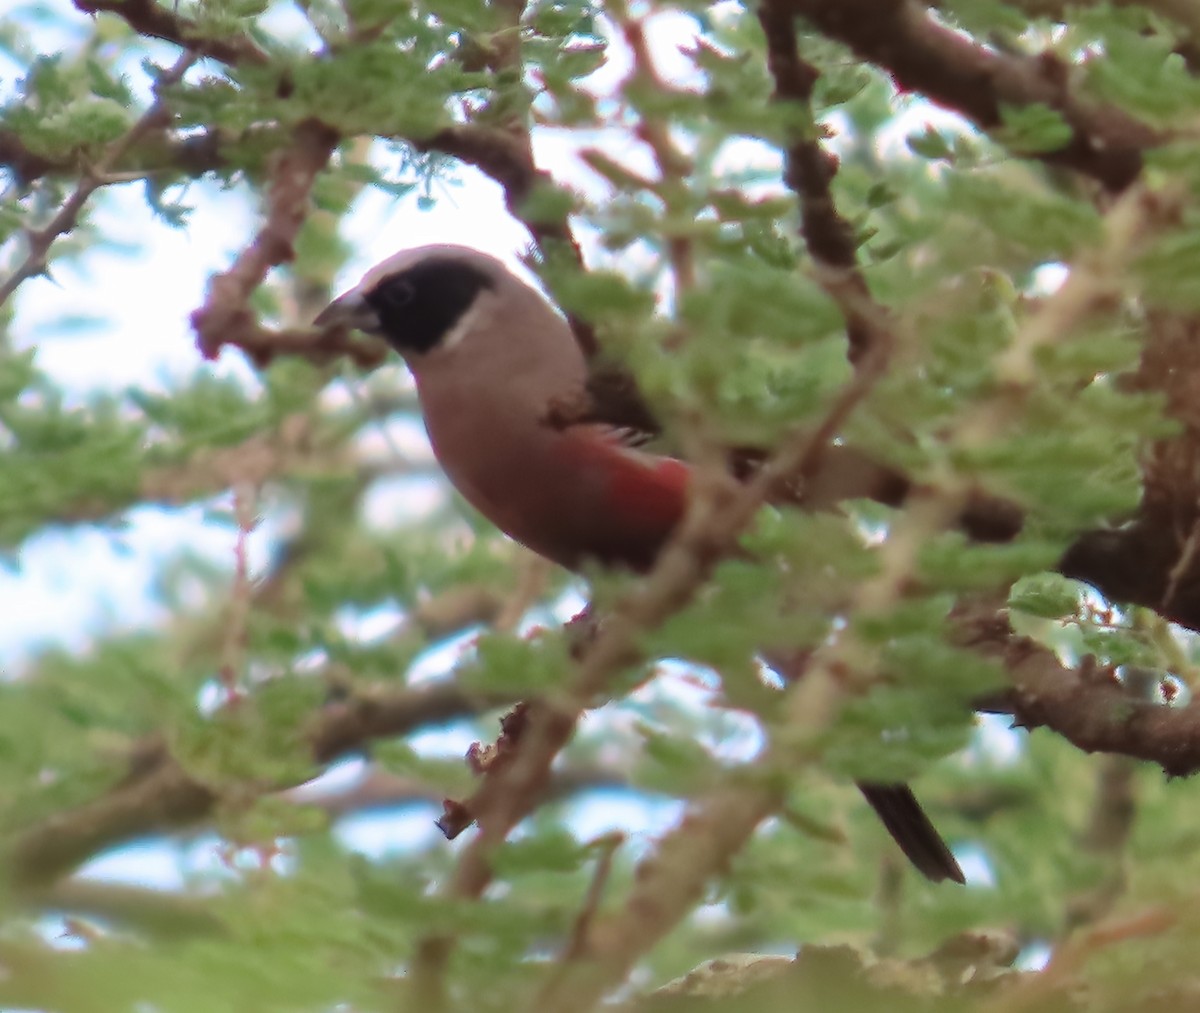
{"points": [[242, 690]]}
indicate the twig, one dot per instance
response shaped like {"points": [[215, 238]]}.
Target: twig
{"points": [[241, 594], [809, 171], [667, 885], [1187, 557], [92, 179], [607, 846], [226, 316], [262, 345], [674, 166]]}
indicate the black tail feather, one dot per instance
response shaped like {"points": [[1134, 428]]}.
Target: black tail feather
{"points": [[910, 828]]}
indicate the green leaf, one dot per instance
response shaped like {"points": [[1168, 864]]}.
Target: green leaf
{"points": [[1046, 595]]}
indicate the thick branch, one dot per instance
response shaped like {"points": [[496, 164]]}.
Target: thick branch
{"points": [[1088, 706], [942, 64], [161, 22]]}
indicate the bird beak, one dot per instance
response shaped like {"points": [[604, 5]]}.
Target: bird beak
{"points": [[350, 311]]}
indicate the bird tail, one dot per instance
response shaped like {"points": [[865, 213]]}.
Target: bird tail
{"points": [[910, 828]]}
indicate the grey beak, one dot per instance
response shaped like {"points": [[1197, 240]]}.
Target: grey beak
{"points": [[351, 311]]}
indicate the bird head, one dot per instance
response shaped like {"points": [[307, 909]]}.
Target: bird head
{"points": [[423, 299]]}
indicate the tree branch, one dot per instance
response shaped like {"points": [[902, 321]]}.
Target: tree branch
{"points": [[954, 71], [226, 316], [809, 171], [149, 18], [1088, 705], [667, 885], [160, 795]]}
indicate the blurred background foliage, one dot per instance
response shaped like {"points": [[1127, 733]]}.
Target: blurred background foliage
{"points": [[371, 584]]}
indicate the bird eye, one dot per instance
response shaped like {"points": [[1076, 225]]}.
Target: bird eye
{"points": [[398, 293]]}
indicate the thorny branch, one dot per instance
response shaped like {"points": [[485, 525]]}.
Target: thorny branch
{"points": [[809, 171], [978, 81]]}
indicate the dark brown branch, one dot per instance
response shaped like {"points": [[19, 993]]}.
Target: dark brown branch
{"points": [[263, 345], [25, 165], [924, 56], [146, 17], [1088, 706], [346, 725], [607, 847], [809, 171]]}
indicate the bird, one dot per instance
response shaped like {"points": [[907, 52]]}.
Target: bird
{"points": [[489, 354]]}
